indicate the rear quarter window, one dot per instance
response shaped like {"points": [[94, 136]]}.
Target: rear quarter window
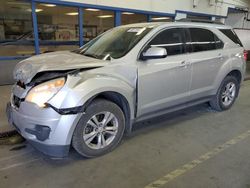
{"points": [[232, 35]]}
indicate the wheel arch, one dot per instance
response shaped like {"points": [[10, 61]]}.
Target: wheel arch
{"points": [[120, 100], [223, 73], [237, 74]]}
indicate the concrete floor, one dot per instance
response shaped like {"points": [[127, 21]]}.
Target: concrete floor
{"points": [[153, 150], [5, 96]]}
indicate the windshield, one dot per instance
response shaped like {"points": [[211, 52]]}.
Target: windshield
{"points": [[114, 43]]}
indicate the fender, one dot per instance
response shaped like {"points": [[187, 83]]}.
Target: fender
{"points": [[79, 91], [75, 94]]}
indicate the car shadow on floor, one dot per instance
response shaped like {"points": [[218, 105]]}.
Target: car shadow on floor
{"points": [[170, 119]]}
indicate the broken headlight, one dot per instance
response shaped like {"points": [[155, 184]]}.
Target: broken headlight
{"points": [[42, 93]]}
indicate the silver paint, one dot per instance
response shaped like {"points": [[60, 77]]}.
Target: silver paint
{"points": [[158, 83]]}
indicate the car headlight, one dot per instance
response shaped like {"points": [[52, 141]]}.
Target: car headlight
{"points": [[42, 93]]}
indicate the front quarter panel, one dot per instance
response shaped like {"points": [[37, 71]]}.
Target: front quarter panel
{"points": [[78, 90]]}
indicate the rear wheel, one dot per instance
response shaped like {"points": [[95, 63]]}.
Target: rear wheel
{"points": [[226, 94], [100, 130]]}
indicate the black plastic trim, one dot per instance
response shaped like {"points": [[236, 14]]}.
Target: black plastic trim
{"points": [[40, 131], [68, 111], [174, 108], [59, 151]]}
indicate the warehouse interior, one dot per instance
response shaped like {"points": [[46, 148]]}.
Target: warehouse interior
{"points": [[194, 147]]}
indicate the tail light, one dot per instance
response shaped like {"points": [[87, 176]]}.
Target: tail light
{"points": [[245, 55]]}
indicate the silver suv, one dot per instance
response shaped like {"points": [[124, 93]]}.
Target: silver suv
{"points": [[90, 97]]}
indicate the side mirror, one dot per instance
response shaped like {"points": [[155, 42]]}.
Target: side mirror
{"points": [[154, 53]]}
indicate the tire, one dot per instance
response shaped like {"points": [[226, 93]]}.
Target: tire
{"points": [[90, 134], [218, 102]]}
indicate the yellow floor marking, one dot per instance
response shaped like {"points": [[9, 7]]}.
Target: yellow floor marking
{"points": [[185, 168]]}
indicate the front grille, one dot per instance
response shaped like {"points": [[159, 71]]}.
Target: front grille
{"points": [[17, 101]]}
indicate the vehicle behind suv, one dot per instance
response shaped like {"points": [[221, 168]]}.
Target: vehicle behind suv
{"points": [[90, 97]]}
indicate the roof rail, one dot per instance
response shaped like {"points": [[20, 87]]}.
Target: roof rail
{"points": [[199, 20]]}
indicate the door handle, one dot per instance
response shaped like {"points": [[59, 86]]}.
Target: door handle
{"points": [[183, 64], [220, 56]]}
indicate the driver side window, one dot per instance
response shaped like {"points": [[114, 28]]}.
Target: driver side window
{"points": [[171, 39]]}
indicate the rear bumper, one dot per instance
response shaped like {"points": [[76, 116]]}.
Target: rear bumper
{"points": [[48, 131]]}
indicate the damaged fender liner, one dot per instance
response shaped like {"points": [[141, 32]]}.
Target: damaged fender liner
{"points": [[68, 111]]}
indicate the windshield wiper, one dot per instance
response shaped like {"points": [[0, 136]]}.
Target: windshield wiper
{"points": [[91, 55]]}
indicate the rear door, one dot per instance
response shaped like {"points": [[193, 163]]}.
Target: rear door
{"points": [[206, 58]]}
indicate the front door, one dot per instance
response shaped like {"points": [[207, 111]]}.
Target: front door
{"points": [[165, 82]]}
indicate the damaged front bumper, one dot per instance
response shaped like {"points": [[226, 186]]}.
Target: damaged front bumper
{"points": [[47, 130]]}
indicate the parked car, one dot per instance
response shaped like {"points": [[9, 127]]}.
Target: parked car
{"points": [[90, 97]]}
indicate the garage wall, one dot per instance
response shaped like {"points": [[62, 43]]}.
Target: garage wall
{"points": [[244, 34], [6, 71], [169, 6], [236, 20]]}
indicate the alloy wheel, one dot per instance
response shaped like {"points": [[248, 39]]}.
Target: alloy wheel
{"points": [[101, 130], [228, 94]]}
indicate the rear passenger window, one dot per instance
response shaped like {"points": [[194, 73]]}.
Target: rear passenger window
{"points": [[204, 40], [171, 39], [232, 35]]}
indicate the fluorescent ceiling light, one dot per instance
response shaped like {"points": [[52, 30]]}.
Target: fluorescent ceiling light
{"points": [[161, 18], [37, 10], [128, 13], [92, 9], [105, 16], [72, 13], [48, 5]]}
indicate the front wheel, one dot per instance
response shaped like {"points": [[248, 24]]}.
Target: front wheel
{"points": [[100, 130], [226, 94]]}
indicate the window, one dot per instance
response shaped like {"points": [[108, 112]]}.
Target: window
{"points": [[95, 22], [231, 35], [218, 42], [130, 17], [115, 43], [16, 32], [58, 27], [172, 40], [204, 40]]}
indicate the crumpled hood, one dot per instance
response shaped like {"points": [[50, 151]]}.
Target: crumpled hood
{"points": [[55, 61]]}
